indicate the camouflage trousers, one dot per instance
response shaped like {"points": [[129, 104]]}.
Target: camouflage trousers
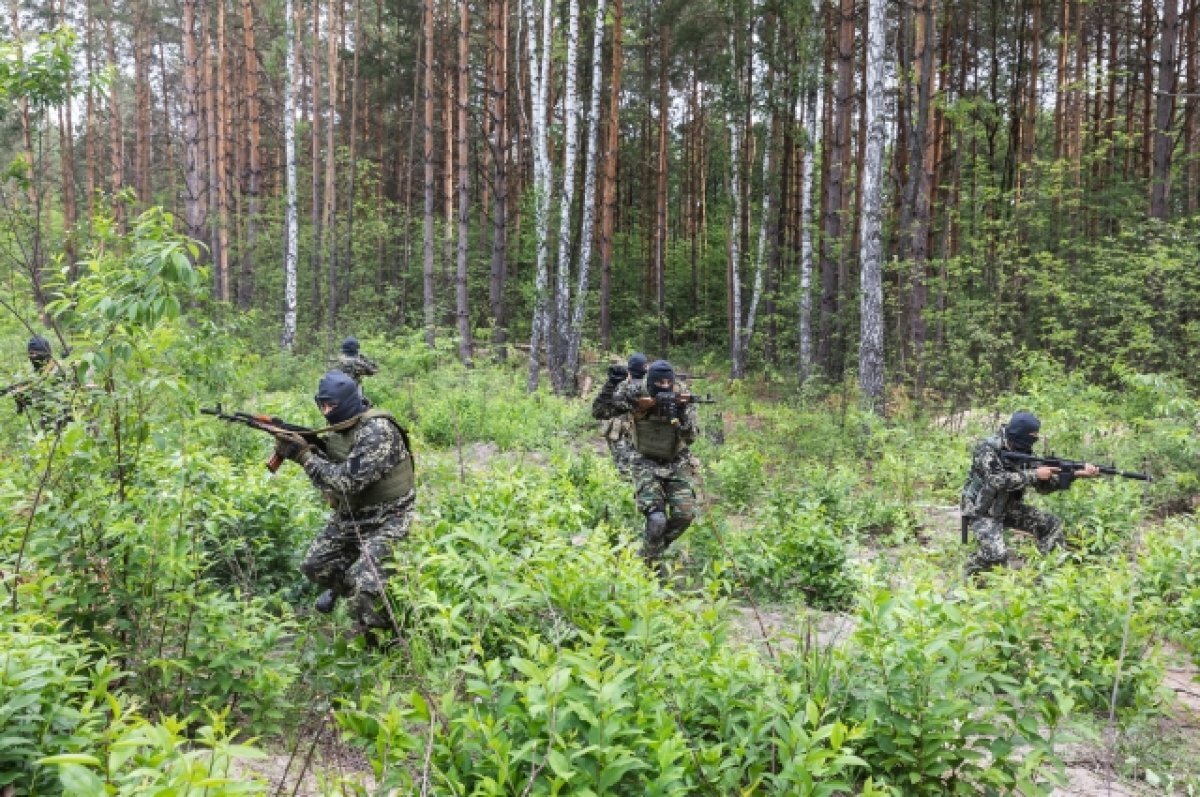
{"points": [[352, 557], [990, 547], [664, 488]]}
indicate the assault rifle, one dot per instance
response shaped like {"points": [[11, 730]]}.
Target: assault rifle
{"points": [[15, 387], [1067, 468], [667, 404], [276, 427]]}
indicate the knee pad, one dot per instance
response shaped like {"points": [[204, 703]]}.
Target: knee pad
{"points": [[656, 523]]}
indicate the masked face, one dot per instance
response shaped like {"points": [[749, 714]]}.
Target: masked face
{"points": [[338, 397], [1022, 432], [660, 377]]}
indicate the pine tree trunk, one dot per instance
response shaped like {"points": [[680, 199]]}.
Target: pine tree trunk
{"points": [[1164, 112], [220, 106], [498, 146], [465, 344], [660, 191], [608, 202], [89, 135], [116, 138], [254, 183], [195, 199], [427, 158], [829, 345], [329, 210], [141, 72], [66, 147], [315, 172]]}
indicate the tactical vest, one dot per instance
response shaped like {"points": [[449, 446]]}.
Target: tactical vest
{"points": [[981, 500], [656, 438], [396, 483]]}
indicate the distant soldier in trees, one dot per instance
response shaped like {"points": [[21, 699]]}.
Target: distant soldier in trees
{"points": [[663, 426], [42, 395], [993, 497], [618, 431], [352, 362], [366, 474]]}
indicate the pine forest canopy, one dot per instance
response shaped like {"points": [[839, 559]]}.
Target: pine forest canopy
{"points": [[911, 193]]}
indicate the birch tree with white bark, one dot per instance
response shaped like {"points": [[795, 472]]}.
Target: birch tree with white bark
{"points": [[289, 150], [539, 78], [575, 330], [557, 342], [812, 149], [870, 353]]}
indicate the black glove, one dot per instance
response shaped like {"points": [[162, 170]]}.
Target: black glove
{"points": [[681, 411], [617, 373], [292, 448], [22, 402]]}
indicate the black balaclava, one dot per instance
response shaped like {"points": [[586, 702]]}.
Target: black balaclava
{"points": [[350, 346], [1022, 431], [340, 390], [39, 352], [637, 365], [659, 370]]}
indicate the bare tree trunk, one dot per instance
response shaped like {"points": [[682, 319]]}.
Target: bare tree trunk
{"points": [[195, 200], [462, 309], [292, 220], [220, 122], [870, 356], [557, 339], [66, 147], [812, 150], [1164, 112], [89, 140], [314, 144], [829, 345], [329, 210], [141, 72], [660, 190], [575, 333], [608, 202], [1190, 142], [498, 144], [427, 155], [539, 74], [254, 184], [116, 138]]}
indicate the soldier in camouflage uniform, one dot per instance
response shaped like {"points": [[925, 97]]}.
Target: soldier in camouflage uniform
{"points": [[351, 362], [618, 431], [662, 466], [45, 394], [993, 496], [366, 474]]}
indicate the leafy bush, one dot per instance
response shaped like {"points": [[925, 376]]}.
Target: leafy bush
{"points": [[928, 672]]}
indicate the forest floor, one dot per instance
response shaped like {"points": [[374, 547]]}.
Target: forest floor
{"points": [[1093, 767]]}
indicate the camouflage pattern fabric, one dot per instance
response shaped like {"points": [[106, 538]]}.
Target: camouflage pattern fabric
{"points": [[623, 454], [993, 499], [665, 488], [616, 428], [356, 366], [991, 549], [353, 555], [46, 398]]}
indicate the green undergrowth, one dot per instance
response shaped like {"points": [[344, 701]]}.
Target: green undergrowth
{"points": [[156, 618]]}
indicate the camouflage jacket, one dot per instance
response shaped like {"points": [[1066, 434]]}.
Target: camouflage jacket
{"points": [[992, 486], [356, 366], [378, 448]]}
